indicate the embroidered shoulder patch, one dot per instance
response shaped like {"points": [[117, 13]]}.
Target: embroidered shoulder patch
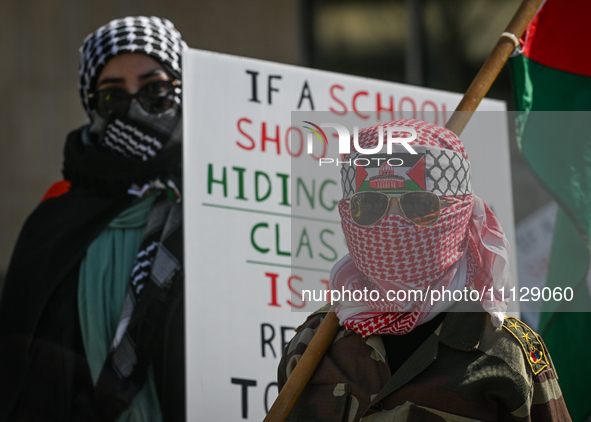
{"points": [[323, 310], [531, 345]]}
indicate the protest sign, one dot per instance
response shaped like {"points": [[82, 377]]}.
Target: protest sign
{"points": [[260, 213]]}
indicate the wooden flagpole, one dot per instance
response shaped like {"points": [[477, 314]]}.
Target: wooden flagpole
{"points": [[493, 65], [458, 121], [305, 368]]}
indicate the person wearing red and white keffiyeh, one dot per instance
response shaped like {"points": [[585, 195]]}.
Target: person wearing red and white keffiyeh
{"points": [[399, 356], [465, 248]]}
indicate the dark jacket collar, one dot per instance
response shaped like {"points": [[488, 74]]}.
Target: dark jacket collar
{"points": [[90, 166], [462, 330]]}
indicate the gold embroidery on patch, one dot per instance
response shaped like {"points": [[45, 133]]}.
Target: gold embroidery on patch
{"points": [[526, 337], [514, 325], [532, 347]]}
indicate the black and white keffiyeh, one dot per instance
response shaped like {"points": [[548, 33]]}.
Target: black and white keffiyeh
{"points": [[139, 134], [144, 136], [153, 36], [158, 264], [130, 141]]}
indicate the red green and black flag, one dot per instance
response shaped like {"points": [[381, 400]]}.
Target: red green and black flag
{"points": [[552, 85]]}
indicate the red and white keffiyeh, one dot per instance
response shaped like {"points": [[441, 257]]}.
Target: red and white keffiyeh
{"points": [[466, 247]]}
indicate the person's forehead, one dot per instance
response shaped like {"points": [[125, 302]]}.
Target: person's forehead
{"points": [[130, 65]]}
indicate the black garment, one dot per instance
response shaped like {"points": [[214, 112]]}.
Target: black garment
{"points": [[400, 347], [43, 370]]}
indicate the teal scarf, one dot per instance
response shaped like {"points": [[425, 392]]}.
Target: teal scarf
{"points": [[102, 285]]}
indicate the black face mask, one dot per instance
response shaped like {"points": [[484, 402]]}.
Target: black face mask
{"points": [[138, 134]]}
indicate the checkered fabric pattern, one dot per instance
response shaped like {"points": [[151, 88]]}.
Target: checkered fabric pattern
{"points": [[394, 254], [153, 36], [447, 174], [396, 250], [390, 323], [447, 166], [129, 141], [348, 179]]}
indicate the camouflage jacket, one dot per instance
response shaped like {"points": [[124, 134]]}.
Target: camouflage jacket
{"points": [[466, 370]]}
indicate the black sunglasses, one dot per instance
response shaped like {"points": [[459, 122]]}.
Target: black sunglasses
{"points": [[154, 97], [422, 208]]}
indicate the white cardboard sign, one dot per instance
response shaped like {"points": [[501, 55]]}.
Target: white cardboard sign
{"points": [[255, 235]]}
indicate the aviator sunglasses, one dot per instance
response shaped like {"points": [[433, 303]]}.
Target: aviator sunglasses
{"points": [[422, 208], [154, 97]]}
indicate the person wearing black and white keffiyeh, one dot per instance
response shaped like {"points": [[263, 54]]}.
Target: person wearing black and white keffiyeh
{"points": [[91, 316]]}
